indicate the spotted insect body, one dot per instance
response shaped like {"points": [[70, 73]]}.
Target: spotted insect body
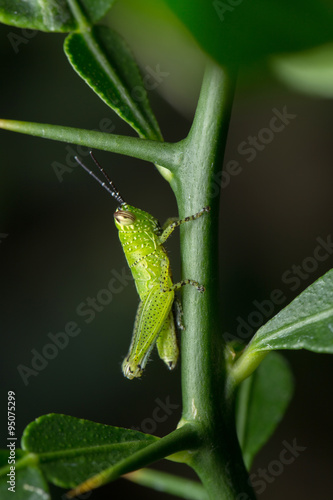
{"points": [[142, 240]]}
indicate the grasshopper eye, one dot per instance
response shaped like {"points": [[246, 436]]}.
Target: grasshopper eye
{"points": [[124, 218]]}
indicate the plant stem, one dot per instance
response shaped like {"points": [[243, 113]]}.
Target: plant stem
{"points": [[247, 363], [219, 462], [163, 153]]}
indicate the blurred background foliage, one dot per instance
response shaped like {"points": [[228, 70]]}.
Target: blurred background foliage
{"points": [[62, 246]]}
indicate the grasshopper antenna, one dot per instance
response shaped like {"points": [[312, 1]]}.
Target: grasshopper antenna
{"points": [[109, 187]]}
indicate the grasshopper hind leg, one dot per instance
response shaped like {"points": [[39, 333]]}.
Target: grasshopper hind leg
{"points": [[167, 344], [153, 314], [130, 369]]}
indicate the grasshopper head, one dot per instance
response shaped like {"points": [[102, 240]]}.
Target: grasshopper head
{"points": [[129, 218]]}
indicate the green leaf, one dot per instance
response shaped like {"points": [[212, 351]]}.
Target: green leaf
{"points": [[306, 323], [168, 483], [310, 71], [261, 403], [184, 438], [242, 31], [106, 64], [30, 483], [70, 449], [50, 15]]}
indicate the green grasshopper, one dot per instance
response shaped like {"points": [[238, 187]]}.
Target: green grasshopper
{"points": [[142, 240]]}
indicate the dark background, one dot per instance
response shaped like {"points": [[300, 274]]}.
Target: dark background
{"points": [[62, 247]]}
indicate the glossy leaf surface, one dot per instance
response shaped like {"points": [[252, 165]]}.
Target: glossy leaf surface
{"points": [[306, 323], [71, 450], [106, 64]]}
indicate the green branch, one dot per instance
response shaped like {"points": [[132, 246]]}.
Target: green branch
{"points": [[162, 153], [218, 462], [245, 365]]}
